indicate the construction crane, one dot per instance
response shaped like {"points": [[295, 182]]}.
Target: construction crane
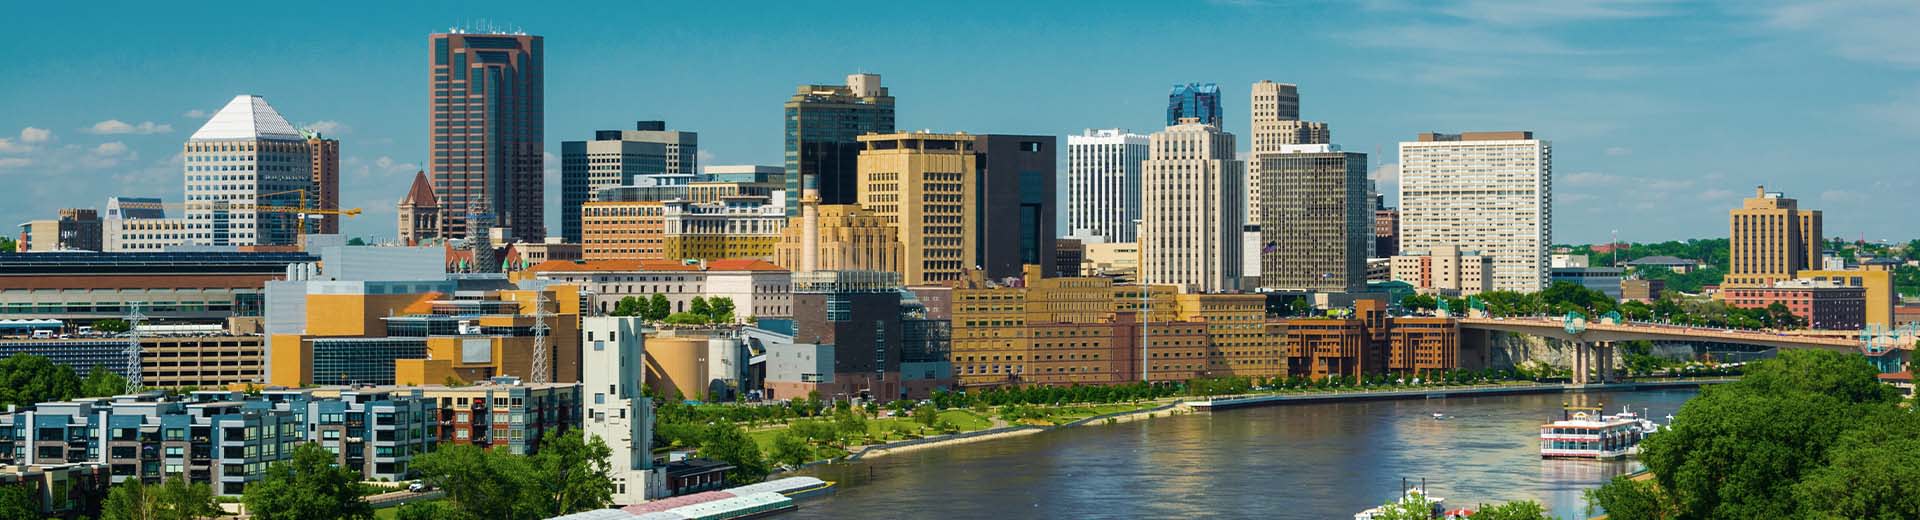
{"points": [[300, 209]]}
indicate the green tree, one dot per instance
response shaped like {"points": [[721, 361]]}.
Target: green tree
{"points": [[687, 318], [1522, 510], [111, 326], [176, 499], [790, 449], [700, 308], [1779, 317], [1624, 497], [26, 380], [356, 241], [18, 503], [1872, 472], [728, 443], [428, 510], [101, 382], [630, 306], [1415, 506], [306, 486], [480, 484], [6, 245], [658, 308], [721, 308], [573, 472], [926, 415]]}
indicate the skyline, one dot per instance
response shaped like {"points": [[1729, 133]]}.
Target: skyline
{"points": [[1651, 106]]}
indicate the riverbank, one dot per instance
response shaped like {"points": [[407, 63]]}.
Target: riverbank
{"points": [[1244, 401]]}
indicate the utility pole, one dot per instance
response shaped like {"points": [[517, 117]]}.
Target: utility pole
{"points": [[134, 383]]}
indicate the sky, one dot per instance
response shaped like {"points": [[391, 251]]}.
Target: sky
{"points": [[1662, 114]]}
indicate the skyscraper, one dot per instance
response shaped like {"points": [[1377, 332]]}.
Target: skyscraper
{"points": [[823, 124], [1772, 239], [489, 131], [1490, 192], [925, 186], [1014, 206], [647, 156], [1200, 101], [1103, 183], [247, 155], [325, 192], [1191, 216], [1318, 221], [1276, 124]]}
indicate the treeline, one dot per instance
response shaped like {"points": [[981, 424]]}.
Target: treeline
{"points": [[1810, 434], [1711, 251], [27, 380], [700, 311], [1563, 298]]}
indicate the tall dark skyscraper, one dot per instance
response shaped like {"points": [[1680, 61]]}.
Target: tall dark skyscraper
{"points": [[1196, 100], [823, 123], [489, 130], [1316, 220], [1014, 222]]}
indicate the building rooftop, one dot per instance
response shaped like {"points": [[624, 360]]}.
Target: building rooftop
{"points": [[1662, 260], [248, 117]]}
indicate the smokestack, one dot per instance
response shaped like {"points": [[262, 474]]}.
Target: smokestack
{"points": [[810, 225]]}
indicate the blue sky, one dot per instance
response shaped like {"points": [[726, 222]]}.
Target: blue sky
{"points": [[1663, 114]]}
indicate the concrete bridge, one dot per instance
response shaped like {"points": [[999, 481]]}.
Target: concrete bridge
{"points": [[1593, 341]]}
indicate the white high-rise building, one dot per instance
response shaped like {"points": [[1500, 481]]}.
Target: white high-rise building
{"points": [[1103, 183], [246, 156], [1490, 192], [1193, 209], [613, 372]]}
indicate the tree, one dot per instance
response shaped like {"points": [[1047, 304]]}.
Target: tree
{"points": [[721, 308], [687, 318], [479, 483], [101, 382], [356, 241], [18, 503], [176, 499], [700, 308], [790, 449], [1522, 510], [6, 245], [658, 307], [1872, 472], [728, 443], [926, 415], [1415, 506], [307, 486], [26, 380], [573, 472], [1779, 317], [111, 326], [1625, 497], [429, 510], [630, 306]]}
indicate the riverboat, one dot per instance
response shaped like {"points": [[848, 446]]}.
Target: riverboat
{"points": [[1436, 506], [1585, 433]]}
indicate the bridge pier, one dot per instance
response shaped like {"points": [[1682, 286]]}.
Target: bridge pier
{"points": [[1606, 362], [1581, 351]]}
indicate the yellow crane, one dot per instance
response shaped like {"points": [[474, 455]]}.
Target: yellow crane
{"points": [[301, 210]]}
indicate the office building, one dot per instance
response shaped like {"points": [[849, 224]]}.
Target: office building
{"points": [[1014, 202], [1877, 284], [716, 191], [422, 332], [1103, 183], [1117, 260], [848, 239], [1386, 233], [488, 132], [1444, 270], [245, 159], [1318, 221], [1198, 101], [757, 288], [75, 230], [619, 412], [823, 124], [846, 329], [324, 191], [123, 227], [1772, 238], [1191, 220], [1823, 305], [419, 213], [1490, 192], [1603, 279], [648, 155], [1068, 254], [623, 230], [742, 227], [743, 173], [1641, 290], [1276, 124], [926, 186]]}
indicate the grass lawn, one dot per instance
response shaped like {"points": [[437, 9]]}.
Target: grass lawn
{"points": [[966, 420]]}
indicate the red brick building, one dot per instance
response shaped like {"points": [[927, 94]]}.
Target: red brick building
{"points": [[1825, 306]]}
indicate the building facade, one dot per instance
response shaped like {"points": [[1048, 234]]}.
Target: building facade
{"points": [[823, 123], [1490, 192], [1444, 270], [758, 289], [1014, 203], [746, 227], [1880, 294], [1386, 233], [324, 191], [1316, 229], [1772, 239], [1823, 305], [175, 287], [849, 239], [618, 411], [244, 159], [1276, 125], [623, 230], [1198, 101], [648, 155], [926, 186], [1103, 183], [419, 213], [1192, 215], [488, 121]]}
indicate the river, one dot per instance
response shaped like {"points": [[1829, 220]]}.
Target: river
{"points": [[1313, 461]]}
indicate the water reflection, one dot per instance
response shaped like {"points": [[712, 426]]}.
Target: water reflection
{"points": [[1307, 462]]}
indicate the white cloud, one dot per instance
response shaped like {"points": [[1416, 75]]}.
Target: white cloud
{"points": [[1875, 31], [115, 126], [329, 127], [8, 146], [1590, 179], [1716, 194], [1538, 12], [1618, 151], [1842, 197], [35, 135], [110, 149], [705, 156], [14, 162], [195, 114], [1387, 175]]}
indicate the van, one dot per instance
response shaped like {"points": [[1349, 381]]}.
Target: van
{"points": [[43, 334]]}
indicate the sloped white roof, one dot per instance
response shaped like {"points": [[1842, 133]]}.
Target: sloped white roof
{"points": [[247, 117]]}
